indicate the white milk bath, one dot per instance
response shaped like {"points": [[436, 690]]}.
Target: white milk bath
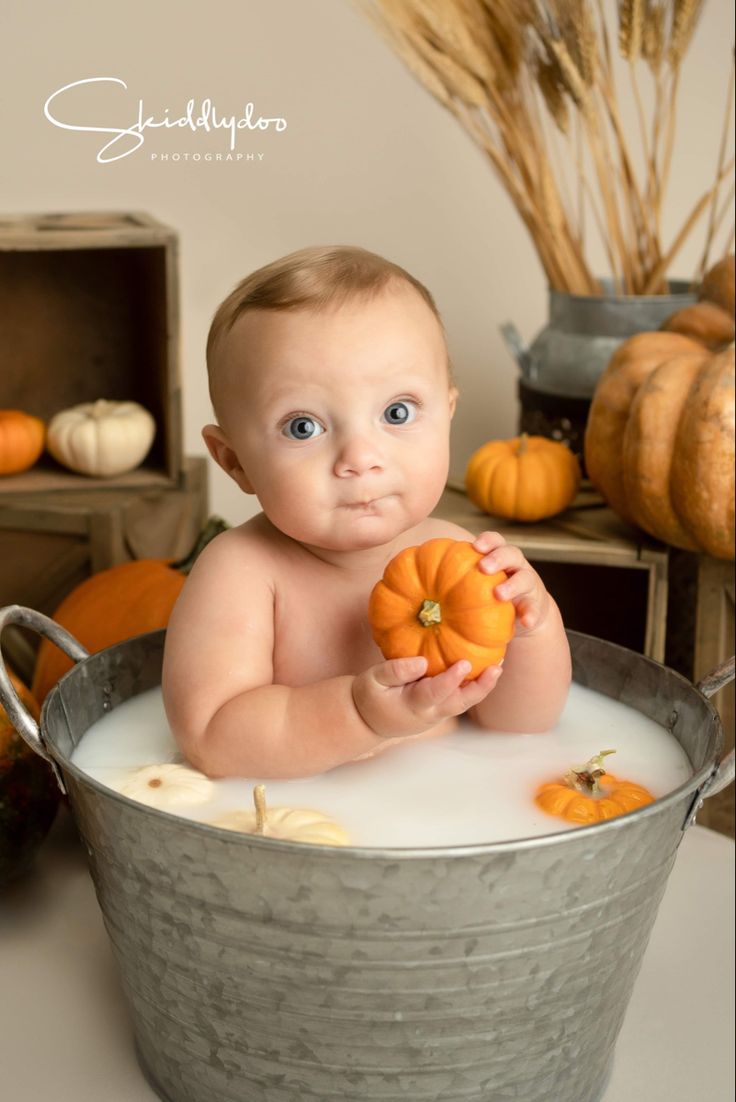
{"points": [[464, 788]]}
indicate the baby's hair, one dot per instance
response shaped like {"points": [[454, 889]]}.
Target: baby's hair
{"points": [[316, 278]]}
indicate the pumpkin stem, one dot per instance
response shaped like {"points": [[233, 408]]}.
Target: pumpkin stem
{"points": [[585, 778], [523, 440], [212, 528], [259, 799], [430, 613]]}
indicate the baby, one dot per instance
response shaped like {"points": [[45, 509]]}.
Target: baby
{"points": [[331, 384]]}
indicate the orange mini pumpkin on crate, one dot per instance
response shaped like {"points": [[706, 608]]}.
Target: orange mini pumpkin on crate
{"points": [[527, 478], [434, 602], [22, 438], [588, 794]]}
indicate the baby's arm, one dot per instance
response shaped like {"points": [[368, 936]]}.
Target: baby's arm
{"points": [[228, 716], [537, 669]]}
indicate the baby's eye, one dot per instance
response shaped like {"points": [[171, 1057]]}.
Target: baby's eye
{"points": [[302, 428], [400, 413]]}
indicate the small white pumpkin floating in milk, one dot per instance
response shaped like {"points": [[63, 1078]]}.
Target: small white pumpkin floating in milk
{"points": [[294, 824], [167, 785]]}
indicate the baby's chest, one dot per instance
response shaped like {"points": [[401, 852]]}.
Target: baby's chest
{"points": [[320, 634]]}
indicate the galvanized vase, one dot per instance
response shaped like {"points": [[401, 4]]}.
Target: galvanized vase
{"points": [[560, 369]]}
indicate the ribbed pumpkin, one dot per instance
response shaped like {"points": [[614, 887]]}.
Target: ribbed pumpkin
{"points": [[526, 478], [659, 443], [21, 440], [588, 794], [101, 438], [434, 602], [294, 824], [711, 319], [116, 604], [29, 794]]}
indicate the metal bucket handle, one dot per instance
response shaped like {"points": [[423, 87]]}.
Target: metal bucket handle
{"points": [[724, 772], [19, 716]]}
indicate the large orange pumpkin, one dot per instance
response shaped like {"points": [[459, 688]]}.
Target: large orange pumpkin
{"points": [[434, 602], [116, 604], [21, 440], [659, 443]]}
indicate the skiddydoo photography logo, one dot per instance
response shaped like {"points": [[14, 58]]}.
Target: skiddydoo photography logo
{"points": [[128, 139]]}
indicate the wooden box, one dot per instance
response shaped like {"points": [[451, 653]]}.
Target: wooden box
{"points": [[49, 543], [700, 636], [607, 579], [89, 309]]}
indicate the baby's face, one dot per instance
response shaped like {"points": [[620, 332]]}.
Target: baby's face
{"points": [[339, 421]]}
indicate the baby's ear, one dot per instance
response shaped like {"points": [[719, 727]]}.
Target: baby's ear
{"points": [[454, 392], [225, 456]]}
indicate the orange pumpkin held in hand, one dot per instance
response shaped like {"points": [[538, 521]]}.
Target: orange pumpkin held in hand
{"points": [[434, 602], [588, 794]]}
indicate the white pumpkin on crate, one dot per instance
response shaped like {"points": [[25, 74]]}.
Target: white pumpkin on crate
{"points": [[102, 438]]}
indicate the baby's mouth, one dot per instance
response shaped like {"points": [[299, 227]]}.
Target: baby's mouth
{"points": [[366, 503]]}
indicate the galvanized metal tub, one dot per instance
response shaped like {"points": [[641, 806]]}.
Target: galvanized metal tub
{"points": [[267, 971]]}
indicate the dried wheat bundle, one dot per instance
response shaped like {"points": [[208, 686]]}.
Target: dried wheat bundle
{"points": [[532, 82]]}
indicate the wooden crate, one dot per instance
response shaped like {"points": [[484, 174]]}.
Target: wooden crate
{"points": [[89, 309], [700, 637], [608, 579], [49, 543]]}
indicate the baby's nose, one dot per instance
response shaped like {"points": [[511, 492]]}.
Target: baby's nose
{"points": [[358, 454]]}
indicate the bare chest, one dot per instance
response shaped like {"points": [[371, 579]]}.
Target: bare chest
{"points": [[321, 630]]}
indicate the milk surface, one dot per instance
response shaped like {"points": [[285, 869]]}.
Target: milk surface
{"points": [[464, 788]]}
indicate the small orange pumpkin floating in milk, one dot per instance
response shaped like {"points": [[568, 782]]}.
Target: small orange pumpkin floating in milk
{"points": [[588, 794], [293, 824]]}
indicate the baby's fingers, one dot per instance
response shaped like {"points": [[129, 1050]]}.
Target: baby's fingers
{"points": [[446, 693], [472, 692], [523, 583], [399, 671], [435, 690]]}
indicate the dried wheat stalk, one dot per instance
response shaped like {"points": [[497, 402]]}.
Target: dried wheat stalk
{"points": [[528, 78]]}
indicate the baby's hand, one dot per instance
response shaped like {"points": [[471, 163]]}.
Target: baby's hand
{"points": [[524, 588], [395, 700]]}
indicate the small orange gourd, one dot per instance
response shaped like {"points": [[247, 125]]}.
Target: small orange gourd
{"points": [[434, 602], [527, 478], [588, 794], [21, 440]]}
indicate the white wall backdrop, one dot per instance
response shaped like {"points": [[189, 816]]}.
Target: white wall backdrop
{"points": [[368, 157]]}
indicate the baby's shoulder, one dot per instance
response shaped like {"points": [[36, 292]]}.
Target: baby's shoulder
{"points": [[246, 547], [437, 528]]}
